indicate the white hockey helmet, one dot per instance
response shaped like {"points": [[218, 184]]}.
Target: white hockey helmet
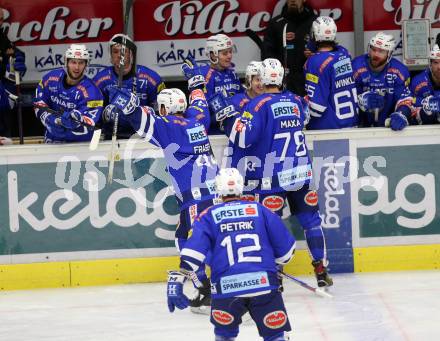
{"points": [[383, 41], [77, 51], [229, 182], [272, 72], [324, 29], [215, 44], [174, 100], [253, 69], [435, 53]]}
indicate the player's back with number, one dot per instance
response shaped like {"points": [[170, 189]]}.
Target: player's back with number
{"points": [[246, 240], [331, 90]]}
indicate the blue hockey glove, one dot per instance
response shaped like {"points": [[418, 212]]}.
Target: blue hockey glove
{"points": [[18, 64], [124, 100], [51, 122], [369, 101], [72, 119], [222, 107], [431, 105], [193, 74], [398, 121], [175, 295], [109, 113]]}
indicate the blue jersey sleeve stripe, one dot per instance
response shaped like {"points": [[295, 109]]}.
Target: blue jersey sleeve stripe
{"points": [[187, 265], [146, 118], [287, 257], [193, 254]]}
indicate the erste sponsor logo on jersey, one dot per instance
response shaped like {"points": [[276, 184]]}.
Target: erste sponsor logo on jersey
{"points": [[197, 134], [275, 319], [342, 67], [282, 109], [296, 174], [273, 202], [244, 282], [222, 317], [235, 211]]}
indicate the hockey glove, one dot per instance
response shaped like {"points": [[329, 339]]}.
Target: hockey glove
{"points": [[193, 74], [124, 100], [110, 112], [222, 107], [175, 295], [16, 63], [431, 105], [72, 119], [369, 101], [51, 122], [398, 121]]}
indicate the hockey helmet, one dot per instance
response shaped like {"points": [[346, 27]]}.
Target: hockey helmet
{"points": [[253, 69], [272, 72], [324, 29], [174, 100], [229, 182], [435, 53], [383, 41], [77, 51], [217, 43]]}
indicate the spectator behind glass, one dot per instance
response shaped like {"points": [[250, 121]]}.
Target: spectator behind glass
{"points": [[297, 19]]}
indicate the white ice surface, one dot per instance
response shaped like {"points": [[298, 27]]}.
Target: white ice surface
{"points": [[379, 306]]}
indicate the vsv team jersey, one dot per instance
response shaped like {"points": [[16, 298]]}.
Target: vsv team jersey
{"points": [[240, 100], [224, 82], [267, 144], [421, 87], [331, 90], [246, 241], [147, 84], [392, 83], [53, 91], [186, 146]]}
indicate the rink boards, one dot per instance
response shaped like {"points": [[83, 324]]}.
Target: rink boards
{"points": [[61, 224]]}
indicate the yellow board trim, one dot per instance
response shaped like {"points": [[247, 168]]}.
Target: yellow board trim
{"points": [[143, 270]]}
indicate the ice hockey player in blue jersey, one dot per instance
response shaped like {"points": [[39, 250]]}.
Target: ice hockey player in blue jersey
{"points": [[426, 89], [139, 79], [268, 146], [382, 83], [67, 102], [329, 80], [252, 84], [12, 62], [181, 132], [220, 75], [243, 242]]}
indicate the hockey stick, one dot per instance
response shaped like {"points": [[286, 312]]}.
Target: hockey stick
{"points": [[317, 291], [255, 38], [96, 130], [286, 69], [19, 104], [128, 6]]}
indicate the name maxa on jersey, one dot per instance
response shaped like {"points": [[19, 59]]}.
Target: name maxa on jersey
{"points": [[288, 112]]}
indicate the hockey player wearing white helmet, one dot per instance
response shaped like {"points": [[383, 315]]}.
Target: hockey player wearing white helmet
{"points": [[180, 129], [329, 80], [267, 145], [426, 90], [242, 284], [382, 83], [139, 79], [220, 75], [67, 102]]}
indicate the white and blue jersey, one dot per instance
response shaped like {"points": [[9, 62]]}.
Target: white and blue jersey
{"points": [[422, 86], [186, 146], [146, 85], [392, 83], [220, 82], [268, 144], [245, 241], [55, 93], [331, 90]]}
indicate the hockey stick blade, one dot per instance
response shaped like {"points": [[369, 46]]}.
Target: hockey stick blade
{"points": [[94, 142], [317, 291]]}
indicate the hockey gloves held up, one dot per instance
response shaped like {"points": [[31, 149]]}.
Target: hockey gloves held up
{"points": [[175, 295], [222, 107], [193, 74], [122, 100]]}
